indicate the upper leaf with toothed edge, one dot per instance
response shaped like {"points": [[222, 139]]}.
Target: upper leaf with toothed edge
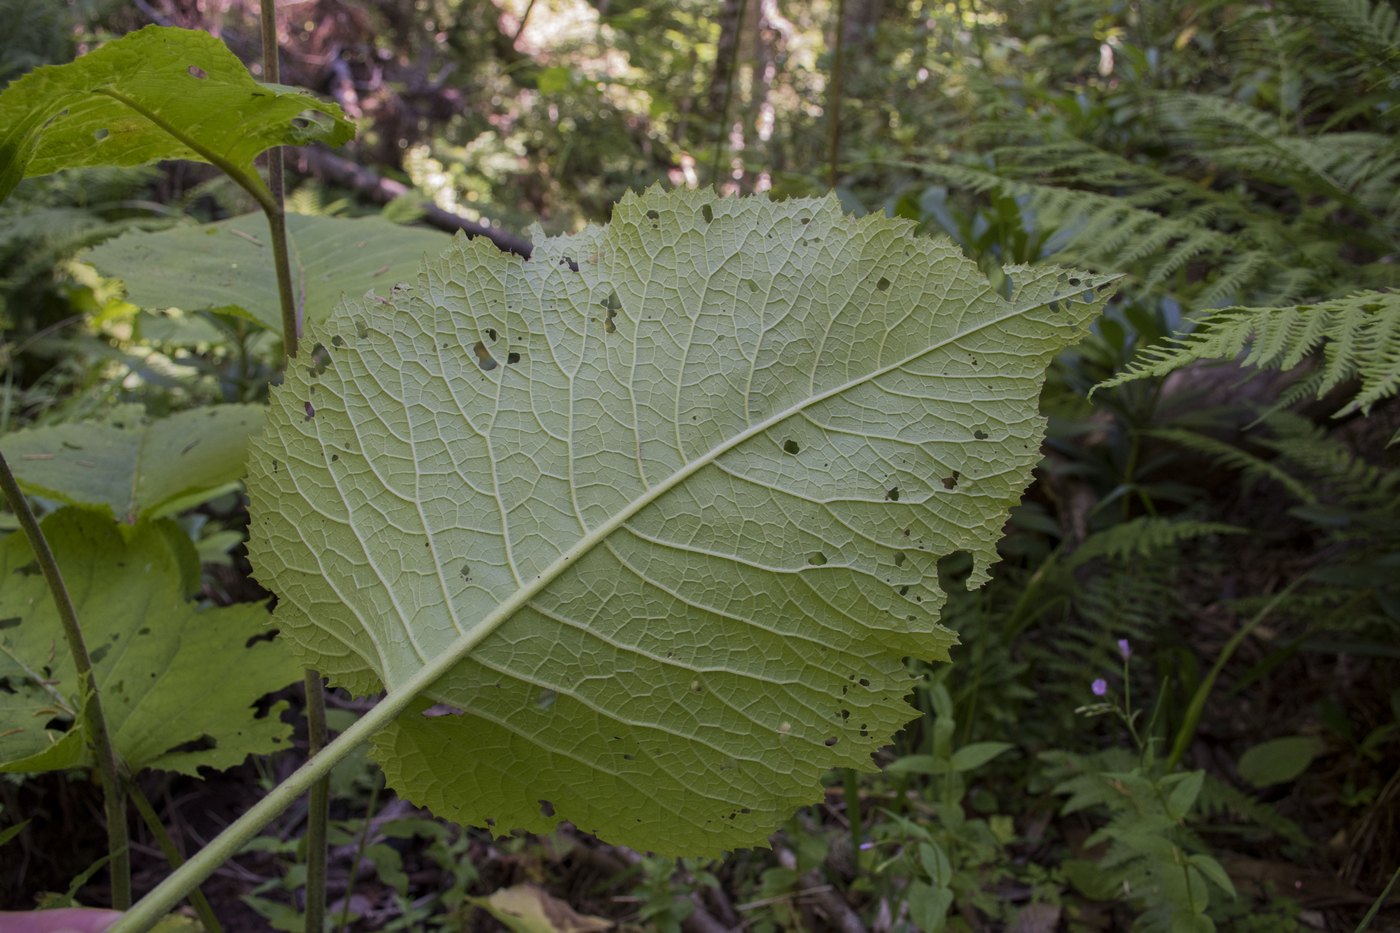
{"points": [[157, 93]]}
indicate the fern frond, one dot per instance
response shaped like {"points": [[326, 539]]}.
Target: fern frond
{"points": [[1144, 536], [1371, 28], [1357, 169], [1359, 337], [1330, 464], [1229, 455], [1219, 799]]}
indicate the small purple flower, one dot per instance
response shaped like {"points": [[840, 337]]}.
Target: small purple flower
{"points": [[1099, 686], [1125, 649]]}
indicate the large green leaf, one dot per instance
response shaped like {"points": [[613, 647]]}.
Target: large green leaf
{"points": [[673, 491], [177, 685], [134, 468], [158, 93], [228, 264]]}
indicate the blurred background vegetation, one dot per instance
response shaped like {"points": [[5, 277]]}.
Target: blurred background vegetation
{"points": [[1177, 705]]}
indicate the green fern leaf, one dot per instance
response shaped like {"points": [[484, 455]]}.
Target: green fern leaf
{"points": [[1359, 337]]}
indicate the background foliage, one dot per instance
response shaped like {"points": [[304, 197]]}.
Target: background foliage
{"points": [[1108, 750]]}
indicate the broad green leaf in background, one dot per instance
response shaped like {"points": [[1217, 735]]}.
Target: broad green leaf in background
{"points": [[133, 468], [178, 685], [673, 491], [229, 264], [158, 93], [1278, 761]]}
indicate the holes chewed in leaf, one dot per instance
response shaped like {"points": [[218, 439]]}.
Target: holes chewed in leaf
{"points": [[979, 434], [310, 411], [512, 358], [892, 494], [883, 284], [546, 808], [637, 495], [101, 134], [951, 482], [204, 743], [612, 304], [484, 359], [708, 213], [195, 71]]}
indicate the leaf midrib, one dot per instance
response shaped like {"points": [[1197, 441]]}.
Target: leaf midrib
{"points": [[464, 645]]}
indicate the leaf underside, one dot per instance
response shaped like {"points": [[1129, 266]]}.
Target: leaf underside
{"points": [[177, 685], [673, 491], [229, 263], [157, 93]]}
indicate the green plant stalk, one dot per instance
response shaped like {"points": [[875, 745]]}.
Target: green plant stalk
{"points": [[172, 855], [361, 843], [1197, 706], [1378, 903], [108, 768], [163, 898], [317, 805]]}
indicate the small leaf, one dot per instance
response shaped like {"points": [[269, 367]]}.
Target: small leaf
{"points": [[1213, 872], [929, 905], [10, 832], [157, 93], [525, 908], [1278, 761], [918, 764], [974, 756], [1183, 796], [133, 469], [210, 266], [177, 684]]}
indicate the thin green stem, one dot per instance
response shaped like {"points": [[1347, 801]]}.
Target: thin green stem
{"points": [[318, 803], [108, 768], [274, 208], [1197, 706], [172, 855], [318, 806], [360, 845], [1378, 903]]}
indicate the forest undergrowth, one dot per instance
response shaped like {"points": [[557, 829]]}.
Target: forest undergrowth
{"points": [[1175, 701]]}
